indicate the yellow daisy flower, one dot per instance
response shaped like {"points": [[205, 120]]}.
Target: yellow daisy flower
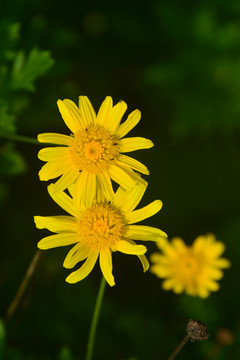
{"points": [[99, 228], [93, 153], [193, 269]]}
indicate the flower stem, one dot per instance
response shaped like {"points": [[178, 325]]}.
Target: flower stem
{"points": [[179, 347], [20, 138], [22, 288], [92, 332]]}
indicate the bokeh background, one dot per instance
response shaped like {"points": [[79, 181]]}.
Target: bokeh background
{"points": [[179, 63]]}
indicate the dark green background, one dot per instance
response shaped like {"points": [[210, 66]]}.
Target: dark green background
{"points": [[179, 63]]}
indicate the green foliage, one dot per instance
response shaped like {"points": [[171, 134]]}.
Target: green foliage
{"points": [[7, 120], [11, 162], [2, 338], [26, 70], [18, 74]]}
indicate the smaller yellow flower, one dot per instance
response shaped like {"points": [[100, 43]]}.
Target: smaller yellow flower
{"points": [[98, 228], [193, 269]]}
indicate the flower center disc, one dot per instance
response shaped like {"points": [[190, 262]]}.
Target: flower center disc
{"points": [[189, 268], [101, 226], [94, 149]]}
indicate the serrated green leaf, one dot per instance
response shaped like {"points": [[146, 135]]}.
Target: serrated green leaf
{"points": [[27, 69], [11, 162]]}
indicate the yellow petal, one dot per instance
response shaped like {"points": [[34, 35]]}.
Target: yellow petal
{"points": [[212, 285], [132, 163], [106, 265], [203, 292], [63, 200], [147, 233], [74, 110], [222, 263], [129, 248], [87, 110], [129, 124], [80, 189], [145, 212], [134, 143], [51, 170], [54, 153], [78, 253], [104, 111], [69, 117], [67, 179], [115, 116], [57, 240], [53, 138], [128, 200], [84, 270], [57, 224], [142, 258], [106, 185], [121, 177], [85, 190], [144, 261]]}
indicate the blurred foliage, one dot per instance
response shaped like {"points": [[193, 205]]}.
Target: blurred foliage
{"points": [[2, 338], [18, 72], [179, 63]]}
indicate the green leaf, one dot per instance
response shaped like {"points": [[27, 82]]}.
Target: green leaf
{"points": [[6, 119], [27, 69], [11, 162], [9, 33]]}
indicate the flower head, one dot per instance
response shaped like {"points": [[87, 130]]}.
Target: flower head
{"points": [[193, 269], [98, 228], [93, 153]]}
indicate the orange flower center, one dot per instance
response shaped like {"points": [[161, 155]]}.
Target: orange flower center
{"points": [[94, 149], [102, 225]]}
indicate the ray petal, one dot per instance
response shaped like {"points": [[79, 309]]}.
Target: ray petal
{"points": [[104, 111], [78, 253], [128, 247], [105, 260], [129, 124], [146, 233], [63, 200], [54, 153], [69, 117], [74, 110], [86, 110], [54, 138], [66, 180], [56, 224], [106, 185], [84, 270], [145, 212], [128, 200], [142, 258], [121, 177], [115, 116], [57, 240], [133, 164], [133, 144]]}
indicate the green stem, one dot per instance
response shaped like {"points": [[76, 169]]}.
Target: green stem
{"points": [[21, 138], [92, 332], [23, 286]]}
